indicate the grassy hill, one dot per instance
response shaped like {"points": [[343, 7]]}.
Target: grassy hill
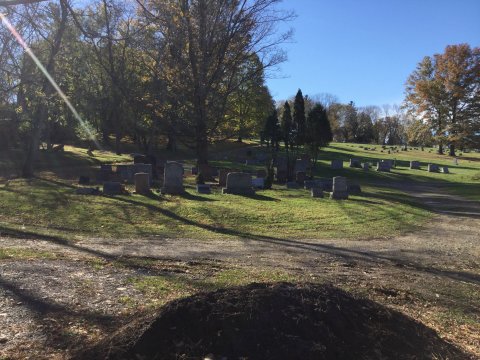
{"points": [[48, 204]]}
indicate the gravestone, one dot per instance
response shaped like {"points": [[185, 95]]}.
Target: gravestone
{"points": [[433, 168], [281, 174], [300, 177], [316, 192], [144, 168], [203, 189], [339, 188], [125, 172], [173, 179], [445, 170], [355, 163], [112, 188], [106, 172], [194, 170], [83, 180], [415, 165], [383, 166], [325, 184], [354, 189], [239, 184], [258, 183], [142, 183], [337, 164], [366, 166]]}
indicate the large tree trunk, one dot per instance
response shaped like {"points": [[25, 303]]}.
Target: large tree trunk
{"points": [[41, 114], [440, 149], [452, 150]]}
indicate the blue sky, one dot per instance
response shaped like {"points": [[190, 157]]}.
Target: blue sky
{"points": [[364, 50]]}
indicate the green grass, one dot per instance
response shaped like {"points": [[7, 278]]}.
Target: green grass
{"points": [[48, 205]]}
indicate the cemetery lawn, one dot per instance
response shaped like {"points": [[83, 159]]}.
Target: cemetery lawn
{"points": [[76, 269]]}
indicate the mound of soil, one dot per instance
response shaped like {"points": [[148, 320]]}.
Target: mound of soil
{"points": [[284, 321]]}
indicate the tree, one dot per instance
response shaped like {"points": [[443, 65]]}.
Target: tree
{"points": [[206, 42], [319, 132], [444, 90], [271, 130], [299, 117], [286, 126], [351, 122]]}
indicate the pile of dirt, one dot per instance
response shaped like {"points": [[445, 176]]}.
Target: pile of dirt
{"points": [[282, 321]]}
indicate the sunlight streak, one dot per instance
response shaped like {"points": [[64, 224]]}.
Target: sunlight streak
{"points": [[30, 53]]}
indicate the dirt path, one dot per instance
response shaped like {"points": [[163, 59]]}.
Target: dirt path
{"points": [[433, 271]]}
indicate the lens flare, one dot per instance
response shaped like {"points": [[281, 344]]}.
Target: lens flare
{"points": [[37, 62]]}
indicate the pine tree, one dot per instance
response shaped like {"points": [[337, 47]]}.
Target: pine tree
{"points": [[286, 125], [318, 132], [299, 118]]}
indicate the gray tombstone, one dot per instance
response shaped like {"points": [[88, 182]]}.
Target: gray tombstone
{"points": [[433, 168], [142, 183], [87, 191], [355, 163], [144, 168], [112, 188], [339, 188], [383, 166], [316, 192], [309, 184], [415, 165], [173, 179], [366, 166], [258, 183], [337, 164], [445, 170], [281, 174], [239, 184]]}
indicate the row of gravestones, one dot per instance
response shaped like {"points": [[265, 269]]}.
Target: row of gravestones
{"points": [[386, 165]]}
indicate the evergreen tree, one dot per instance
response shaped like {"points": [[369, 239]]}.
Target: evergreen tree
{"points": [[318, 132], [271, 130], [299, 118], [286, 125]]}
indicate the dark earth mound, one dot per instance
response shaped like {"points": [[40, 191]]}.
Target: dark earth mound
{"points": [[283, 321]]}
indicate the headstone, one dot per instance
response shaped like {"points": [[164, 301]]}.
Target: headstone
{"points": [[239, 184], [445, 170], [261, 173], [415, 165], [258, 183], [142, 183], [391, 163], [337, 164], [112, 188], [194, 170], [354, 189], [316, 192], [325, 184], [173, 179], [106, 172], [433, 168], [339, 189], [366, 166], [83, 180], [203, 189], [309, 184], [300, 177], [355, 163], [383, 166], [144, 168]]}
